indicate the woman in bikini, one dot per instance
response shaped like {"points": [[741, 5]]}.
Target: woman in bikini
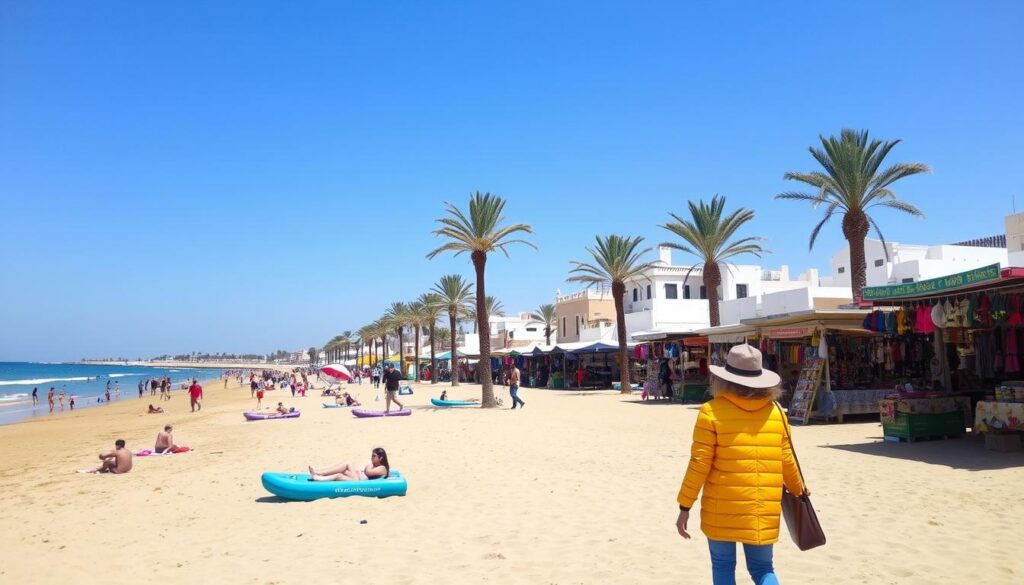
{"points": [[378, 468]]}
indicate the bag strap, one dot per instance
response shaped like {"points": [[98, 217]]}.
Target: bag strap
{"points": [[792, 448]]}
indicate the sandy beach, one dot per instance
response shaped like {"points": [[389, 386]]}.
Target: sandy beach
{"points": [[575, 488]]}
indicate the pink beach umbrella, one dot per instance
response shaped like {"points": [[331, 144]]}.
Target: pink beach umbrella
{"points": [[336, 371]]}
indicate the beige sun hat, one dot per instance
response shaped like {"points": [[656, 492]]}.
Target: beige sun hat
{"points": [[743, 366]]}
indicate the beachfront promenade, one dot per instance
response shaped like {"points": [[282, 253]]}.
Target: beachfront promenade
{"points": [[575, 488]]}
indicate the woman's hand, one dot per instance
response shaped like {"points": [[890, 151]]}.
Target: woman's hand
{"points": [[681, 521]]}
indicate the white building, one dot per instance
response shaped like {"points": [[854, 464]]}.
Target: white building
{"points": [[912, 263], [516, 331], [673, 298]]}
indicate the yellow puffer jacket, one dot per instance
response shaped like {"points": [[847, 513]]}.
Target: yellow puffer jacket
{"points": [[740, 456]]}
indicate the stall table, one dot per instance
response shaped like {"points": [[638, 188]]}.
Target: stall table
{"points": [[1001, 422], [916, 418], [854, 402]]}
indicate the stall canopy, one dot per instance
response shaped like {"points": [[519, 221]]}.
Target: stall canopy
{"points": [[660, 334], [987, 278], [727, 333]]}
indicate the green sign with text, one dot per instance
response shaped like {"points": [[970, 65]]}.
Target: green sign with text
{"points": [[932, 286]]}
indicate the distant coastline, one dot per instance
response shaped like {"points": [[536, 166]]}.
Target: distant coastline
{"points": [[219, 364]]}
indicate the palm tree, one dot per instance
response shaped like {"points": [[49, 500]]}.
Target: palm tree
{"points": [[312, 355], [454, 295], [346, 343], [397, 317], [492, 307], [480, 233], [444, 338], [546, 314], [852, 184], [380, 329], [708, 236], [416, 319], [616, 260], [432, 309]]}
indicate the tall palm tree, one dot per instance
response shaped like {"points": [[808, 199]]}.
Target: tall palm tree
{"points": [[432, 309], [416, 318], [852, 184], [346, 343], [380, 329], [708, 236], [480, 233], [312, 355], [397, 317], [617, 259], [455, 296], [546, 314], [444, 338]]}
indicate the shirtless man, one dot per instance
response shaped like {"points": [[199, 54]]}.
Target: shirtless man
{"points": [[117, 461], [165, 440]]}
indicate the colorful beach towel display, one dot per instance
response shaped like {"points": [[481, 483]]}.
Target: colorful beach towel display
{"points": [[297, 486], [148, 452]]}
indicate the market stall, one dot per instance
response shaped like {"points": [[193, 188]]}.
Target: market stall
{"points": [[977, 326]]}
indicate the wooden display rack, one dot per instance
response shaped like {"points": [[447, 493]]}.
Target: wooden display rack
{"points": [[802, 404]]}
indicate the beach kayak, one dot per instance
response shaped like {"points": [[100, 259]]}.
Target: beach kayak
{"points": [[296, 486], [268, 416], [377, 413], [450, 403]]}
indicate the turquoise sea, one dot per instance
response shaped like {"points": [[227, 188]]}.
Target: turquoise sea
{"points": [[86, 382]]}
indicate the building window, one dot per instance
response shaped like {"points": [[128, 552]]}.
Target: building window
{"points": [[906, 280], [741, 291], [634, 295], [879, 262], [703, 292], [648, 291], [686, 291], [841, 269], [671, 291], [563, 325], [578, 322], [532, 329]]}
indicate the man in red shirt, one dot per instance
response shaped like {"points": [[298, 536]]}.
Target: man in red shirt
{"points": [[195, 394]]}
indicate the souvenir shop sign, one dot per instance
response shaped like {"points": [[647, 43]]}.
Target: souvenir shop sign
{"points": [[789, 332], [932, 286]]}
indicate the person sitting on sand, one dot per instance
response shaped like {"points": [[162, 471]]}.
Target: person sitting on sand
{"points": [[117, 461], [281, 409], [349, 401], [165, 440], [377, 469], [155, 410]]}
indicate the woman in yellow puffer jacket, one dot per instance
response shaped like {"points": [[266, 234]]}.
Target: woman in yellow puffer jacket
{"points": [[741, 457]]}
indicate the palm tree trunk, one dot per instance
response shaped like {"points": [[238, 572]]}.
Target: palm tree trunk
{"points": [[712, 279], [619, 294], [855, 229], [484, 333], [433, 355], [416, 352], [454, 365], [401, 354]]}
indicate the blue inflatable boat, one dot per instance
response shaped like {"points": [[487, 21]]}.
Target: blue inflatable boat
{"points": [[296, 486], [448, 403]]}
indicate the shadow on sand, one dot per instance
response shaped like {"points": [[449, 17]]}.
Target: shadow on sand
{"points": [[272, 500], [967, 453]]}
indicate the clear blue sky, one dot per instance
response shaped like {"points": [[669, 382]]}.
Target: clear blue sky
{"points": [[182, 176]]}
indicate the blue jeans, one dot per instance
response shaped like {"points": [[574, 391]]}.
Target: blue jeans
{"points": [[513, 390], [723, 563]]}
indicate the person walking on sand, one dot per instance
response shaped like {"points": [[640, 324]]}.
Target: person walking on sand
{"points": [[513, 388], [392, 382], [741, 457], [142, 387], [259, 398], [49, 398], [195, 395], [35, 396]]}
